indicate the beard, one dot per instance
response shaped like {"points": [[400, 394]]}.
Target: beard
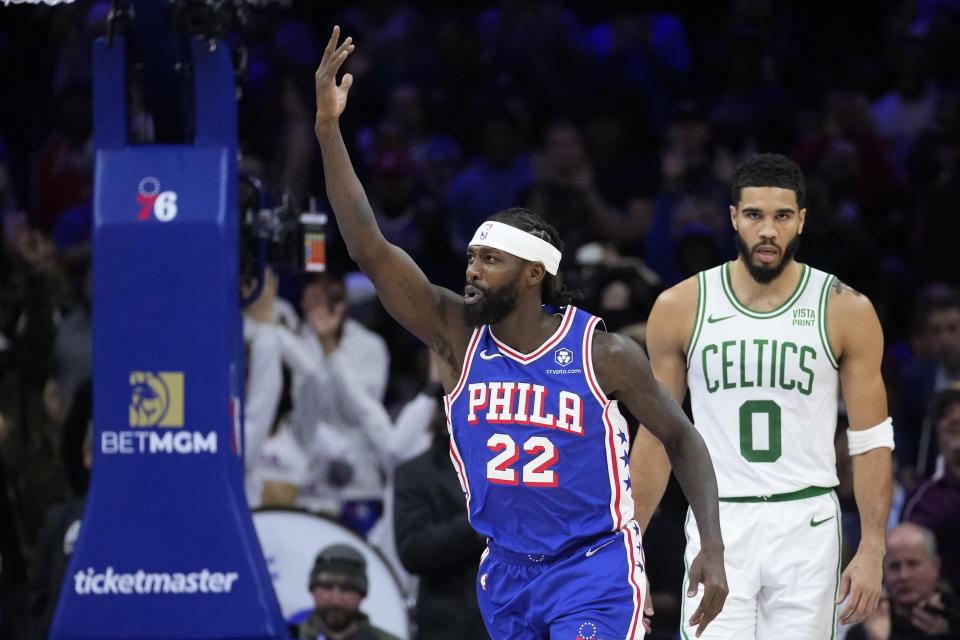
{"points": [[337, 618], [765, 274], [495, 305]]}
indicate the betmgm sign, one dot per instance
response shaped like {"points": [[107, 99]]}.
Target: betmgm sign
{"points": [[166, 547]]}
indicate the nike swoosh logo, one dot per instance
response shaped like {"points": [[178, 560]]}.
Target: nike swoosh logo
{"points": [[592, 551], [817, 523], [711, 319], [483, 354]]}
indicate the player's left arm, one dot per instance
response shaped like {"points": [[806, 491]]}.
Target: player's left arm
{"points": [[857, 340], [624, 373]]}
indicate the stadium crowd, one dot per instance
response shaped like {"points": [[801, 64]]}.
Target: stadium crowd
{"points": [[619, 122]]}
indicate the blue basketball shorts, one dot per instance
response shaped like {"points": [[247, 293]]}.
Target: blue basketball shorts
{"points": [[593, 592]]}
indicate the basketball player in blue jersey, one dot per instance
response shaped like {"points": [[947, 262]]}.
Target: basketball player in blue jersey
{"points": [[766, 345], [537, 441]]}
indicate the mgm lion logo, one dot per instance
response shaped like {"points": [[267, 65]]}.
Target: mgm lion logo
{"points": [[156, 399]]}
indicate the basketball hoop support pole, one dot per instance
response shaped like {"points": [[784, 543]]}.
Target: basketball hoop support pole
{"points": [[167, 548]]}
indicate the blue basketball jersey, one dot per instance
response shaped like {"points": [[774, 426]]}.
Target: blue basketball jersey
{"points": [[541, 453]]}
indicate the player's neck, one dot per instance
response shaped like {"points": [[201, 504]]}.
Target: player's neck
{"points": [[528, 327], [764, 296]]}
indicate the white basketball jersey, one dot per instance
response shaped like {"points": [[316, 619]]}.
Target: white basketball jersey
{"points": [[764, 387]]}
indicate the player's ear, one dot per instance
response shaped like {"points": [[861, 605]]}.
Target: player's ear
{"points": [[733, 217], [803, 218], [535, 274]]}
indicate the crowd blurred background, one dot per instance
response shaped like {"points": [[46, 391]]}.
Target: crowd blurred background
{"points": [[619, 122]]}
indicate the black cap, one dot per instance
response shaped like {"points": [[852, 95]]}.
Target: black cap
{"points": [[340, 564]]}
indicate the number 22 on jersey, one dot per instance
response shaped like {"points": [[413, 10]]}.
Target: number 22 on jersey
{"points": [[536, 472]]}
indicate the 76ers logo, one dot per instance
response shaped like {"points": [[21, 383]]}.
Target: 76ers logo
{"points": [[162, 203]]}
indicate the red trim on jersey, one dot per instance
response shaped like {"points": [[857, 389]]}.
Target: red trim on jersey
{"points": [[467, 361], [616, 513], [612, 461], [457, 460], [592, 381], [557, 337], [638, 607]]}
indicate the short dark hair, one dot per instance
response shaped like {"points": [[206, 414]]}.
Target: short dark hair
{"points": [[935, 299], [553, 292], [943, 400], [331, 281], [769, 170]]}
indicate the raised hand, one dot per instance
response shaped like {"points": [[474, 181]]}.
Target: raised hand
{"points": [[331, 97], [707, 569]]}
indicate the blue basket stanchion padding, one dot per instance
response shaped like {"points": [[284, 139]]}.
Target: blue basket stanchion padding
{"points": [[167, 547]]}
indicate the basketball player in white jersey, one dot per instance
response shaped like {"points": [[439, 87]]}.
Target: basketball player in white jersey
{"points": [[764, 344]]}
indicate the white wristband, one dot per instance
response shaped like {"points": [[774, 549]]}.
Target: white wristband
{"points": [[865, 440]]}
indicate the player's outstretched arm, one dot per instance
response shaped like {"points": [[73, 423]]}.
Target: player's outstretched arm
{"points": [[624, 373], [402, 287], [857, 339]]}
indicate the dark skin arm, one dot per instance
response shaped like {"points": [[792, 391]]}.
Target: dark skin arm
{"points": [[430, 313], [624, 374]]}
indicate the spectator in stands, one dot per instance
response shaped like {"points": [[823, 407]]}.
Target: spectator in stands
{"points": [[73, 348], [565, 190], [936, 503], [916, 432], [59, 533], [436, 542], [31, 478], [338, 583], [917, 605], [412, 434], [343, 401], [274, 357], [493, 181], [909, 107], [64, 166]]}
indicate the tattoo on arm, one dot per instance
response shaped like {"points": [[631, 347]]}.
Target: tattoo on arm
{"points": [[442, 346], [840, 287], [410, 291]]}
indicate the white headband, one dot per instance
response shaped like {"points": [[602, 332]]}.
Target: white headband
{"points": [[517, 242]]}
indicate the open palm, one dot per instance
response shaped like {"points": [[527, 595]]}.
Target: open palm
{"points": [[331, 97]]}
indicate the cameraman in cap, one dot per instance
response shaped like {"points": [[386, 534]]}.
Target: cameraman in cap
{"points": [[338, 583]]}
